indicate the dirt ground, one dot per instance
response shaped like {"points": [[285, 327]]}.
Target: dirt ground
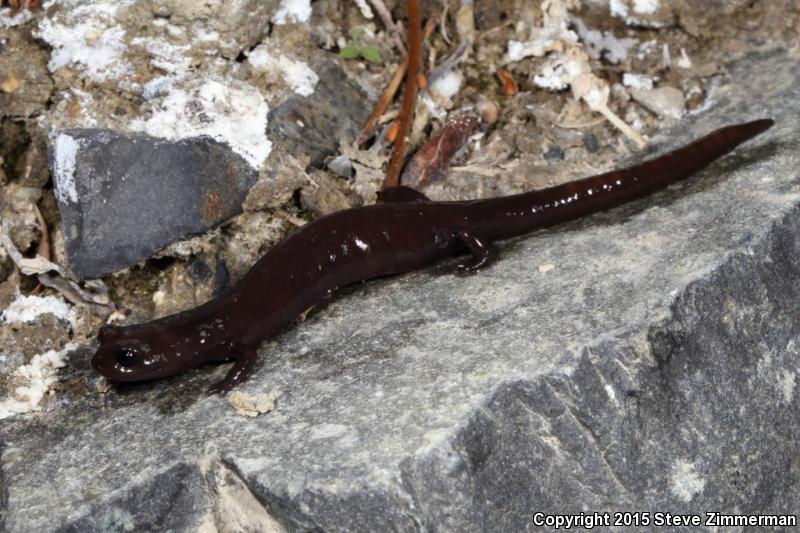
{"points": [[658, 62]]}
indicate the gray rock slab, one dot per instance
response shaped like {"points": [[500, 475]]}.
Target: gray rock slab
{"points": [[123, 196], [653, 368], [315, 125]]}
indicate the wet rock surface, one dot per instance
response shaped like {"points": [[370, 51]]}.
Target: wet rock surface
{"points": [[651, 366], [123, 197]]}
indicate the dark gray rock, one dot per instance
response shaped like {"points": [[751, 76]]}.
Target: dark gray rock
{"points": [[554, 153], [123, 196], [653, 369], [172, 500], [315, 125], [590, 142]]}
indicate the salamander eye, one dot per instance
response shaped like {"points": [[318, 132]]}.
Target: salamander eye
{"points": [[128, 356]]}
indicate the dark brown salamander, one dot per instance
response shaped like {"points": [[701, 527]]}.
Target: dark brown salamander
{"points": [[405, 232]]}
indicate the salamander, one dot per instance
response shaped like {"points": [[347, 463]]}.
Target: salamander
{"points": [[405, 231]]}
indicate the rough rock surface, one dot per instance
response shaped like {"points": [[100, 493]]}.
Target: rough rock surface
{"points": [[651, 365], [316, 125], [114, 188]]}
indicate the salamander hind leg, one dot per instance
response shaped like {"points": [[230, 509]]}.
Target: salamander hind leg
{"points": [[483, 252], [244, 362]]}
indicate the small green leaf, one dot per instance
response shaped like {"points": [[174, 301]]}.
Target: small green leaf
{"points": [[349, 52], [370, 54], [354, 33]]}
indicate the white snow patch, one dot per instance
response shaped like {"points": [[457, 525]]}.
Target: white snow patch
{"points": [[559, 72], [638, 81], [363, 6], [40, 374], [686, 482], [292, 11], [163, 55], [29, 308], [516, 51], [87, 35], [157, 87], [231, 112], [618, 8], [546, 40], [447, 85], [604, 44], [645, 7], [8, 21], [65, 153], [553, 81], [297, 74]]}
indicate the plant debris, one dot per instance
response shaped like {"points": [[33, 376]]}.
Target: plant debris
{"points": [[430, 163]]}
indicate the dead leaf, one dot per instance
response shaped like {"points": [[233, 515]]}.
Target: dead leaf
{"points": [[49, 274], [431, 161]]}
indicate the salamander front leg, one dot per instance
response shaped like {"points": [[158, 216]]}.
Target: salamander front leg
{"points": [[244, 362], [483, 252]]}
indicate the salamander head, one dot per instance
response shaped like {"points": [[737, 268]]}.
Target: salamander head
{"points": [[134, 353]]}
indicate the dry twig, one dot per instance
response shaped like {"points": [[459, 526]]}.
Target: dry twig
{"points": [[388, 94], [52, 275], [409, 95], [386, 17]]}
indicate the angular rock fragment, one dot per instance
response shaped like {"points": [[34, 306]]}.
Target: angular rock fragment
{"points": [[314, 125], [123, 196], [666, 102]]}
